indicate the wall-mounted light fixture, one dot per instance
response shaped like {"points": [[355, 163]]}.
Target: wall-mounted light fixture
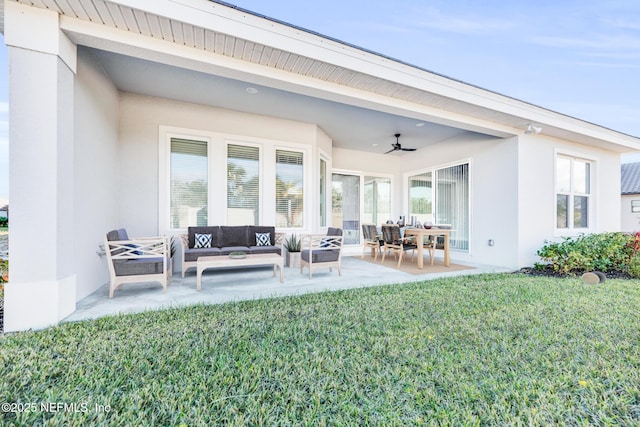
{"points": [[532, 129]]}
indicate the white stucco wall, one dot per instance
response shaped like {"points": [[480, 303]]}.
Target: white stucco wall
{"points": [[536, 174], [95, 170], [140, 120], [493, 188], [42, 289]]}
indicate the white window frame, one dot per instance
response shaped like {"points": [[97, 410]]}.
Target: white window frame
{"points": [[217, 175], [591, 211], [227, 142], [360, 174]]}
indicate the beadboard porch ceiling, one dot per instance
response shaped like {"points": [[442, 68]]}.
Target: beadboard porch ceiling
{"points": [[358, 97]]}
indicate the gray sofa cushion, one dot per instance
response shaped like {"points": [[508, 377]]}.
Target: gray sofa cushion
{"points": [[265, 249], [233, 236], [193, 254], [213, 230], [326, 255], [228, 249], [136, 267]]}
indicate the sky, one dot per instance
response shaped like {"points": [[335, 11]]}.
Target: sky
{"points": [[576, 57]]}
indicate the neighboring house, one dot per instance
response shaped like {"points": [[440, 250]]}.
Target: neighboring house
{"points": [[154, 115], [630, 190]]}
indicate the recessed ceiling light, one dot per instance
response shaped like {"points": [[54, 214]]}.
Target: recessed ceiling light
{"points": [[252, 90], [374, 145], [420, 124]]}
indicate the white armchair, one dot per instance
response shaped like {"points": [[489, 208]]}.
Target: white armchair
{"points": [[136, 260]]}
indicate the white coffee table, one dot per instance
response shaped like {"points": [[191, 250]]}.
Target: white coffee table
{"points": [[206, 262]]}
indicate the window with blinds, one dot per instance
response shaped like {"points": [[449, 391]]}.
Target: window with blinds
{"points": [[289, 189], [243, 185], [452, 203], [189, 183]]}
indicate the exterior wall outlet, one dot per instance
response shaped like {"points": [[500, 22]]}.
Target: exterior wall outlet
{"points": [[491, 242]]}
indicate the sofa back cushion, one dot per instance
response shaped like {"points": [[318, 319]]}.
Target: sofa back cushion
{"points": [[213, 230], [233, 236], [253, 229]]}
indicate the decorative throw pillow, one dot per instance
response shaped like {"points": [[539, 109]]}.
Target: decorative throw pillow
{"points": [[263, 239], [202, 241]]}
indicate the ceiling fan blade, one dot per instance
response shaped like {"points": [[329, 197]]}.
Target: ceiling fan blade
{"points": [[393, 149], [409, 149]]}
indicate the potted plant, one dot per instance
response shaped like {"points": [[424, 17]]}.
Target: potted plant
{"points": [[293, 246]]}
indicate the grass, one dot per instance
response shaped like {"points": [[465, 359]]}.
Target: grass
{"points": [[478, 350]]}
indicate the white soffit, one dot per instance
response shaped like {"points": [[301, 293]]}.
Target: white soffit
{"points": [[236, 34]]}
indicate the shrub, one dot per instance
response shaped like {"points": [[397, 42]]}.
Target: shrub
{"points": [[4, 221], [634, 266], [606, 252], [4, 273]]}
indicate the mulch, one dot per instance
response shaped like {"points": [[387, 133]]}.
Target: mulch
{"points": [[549, 272]]}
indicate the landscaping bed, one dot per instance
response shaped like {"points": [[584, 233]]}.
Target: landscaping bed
{"points": [[473, 350]]}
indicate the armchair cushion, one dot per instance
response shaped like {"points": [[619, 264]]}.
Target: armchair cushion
{"points": [[136, 267], [327, 255]]}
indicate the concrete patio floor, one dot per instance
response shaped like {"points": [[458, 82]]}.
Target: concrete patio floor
{"points": [[225, 285]]}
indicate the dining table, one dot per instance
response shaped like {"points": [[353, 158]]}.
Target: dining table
{"points": [[420, 233]]}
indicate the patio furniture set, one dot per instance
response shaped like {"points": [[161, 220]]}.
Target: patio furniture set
{"points": [[390, 239], [207, 247]]}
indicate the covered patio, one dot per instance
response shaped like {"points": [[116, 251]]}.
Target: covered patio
{"points": [[222, 286], [157, 116]]}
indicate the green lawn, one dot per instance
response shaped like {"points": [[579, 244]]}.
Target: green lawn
{"points": [[478, 350]]}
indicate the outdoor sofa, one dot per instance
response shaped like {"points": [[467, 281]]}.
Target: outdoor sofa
{"points": [[222, 240]]}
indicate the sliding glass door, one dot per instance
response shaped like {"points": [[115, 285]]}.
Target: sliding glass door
{"points": [[442, 197], [345, 201], [377, 200]]}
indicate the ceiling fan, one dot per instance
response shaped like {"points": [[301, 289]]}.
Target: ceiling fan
{"points": [[398, 147]]}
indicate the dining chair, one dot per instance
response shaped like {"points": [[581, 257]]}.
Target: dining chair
{"points": [[371, 240], [393, 241]]}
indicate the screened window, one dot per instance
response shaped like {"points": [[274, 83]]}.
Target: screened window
{"points": [[243, 185], [289, 189], [189, 183], [573, 189], [377, 200]]}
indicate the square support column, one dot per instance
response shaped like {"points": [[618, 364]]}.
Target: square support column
{"points": [[41, 290]]}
